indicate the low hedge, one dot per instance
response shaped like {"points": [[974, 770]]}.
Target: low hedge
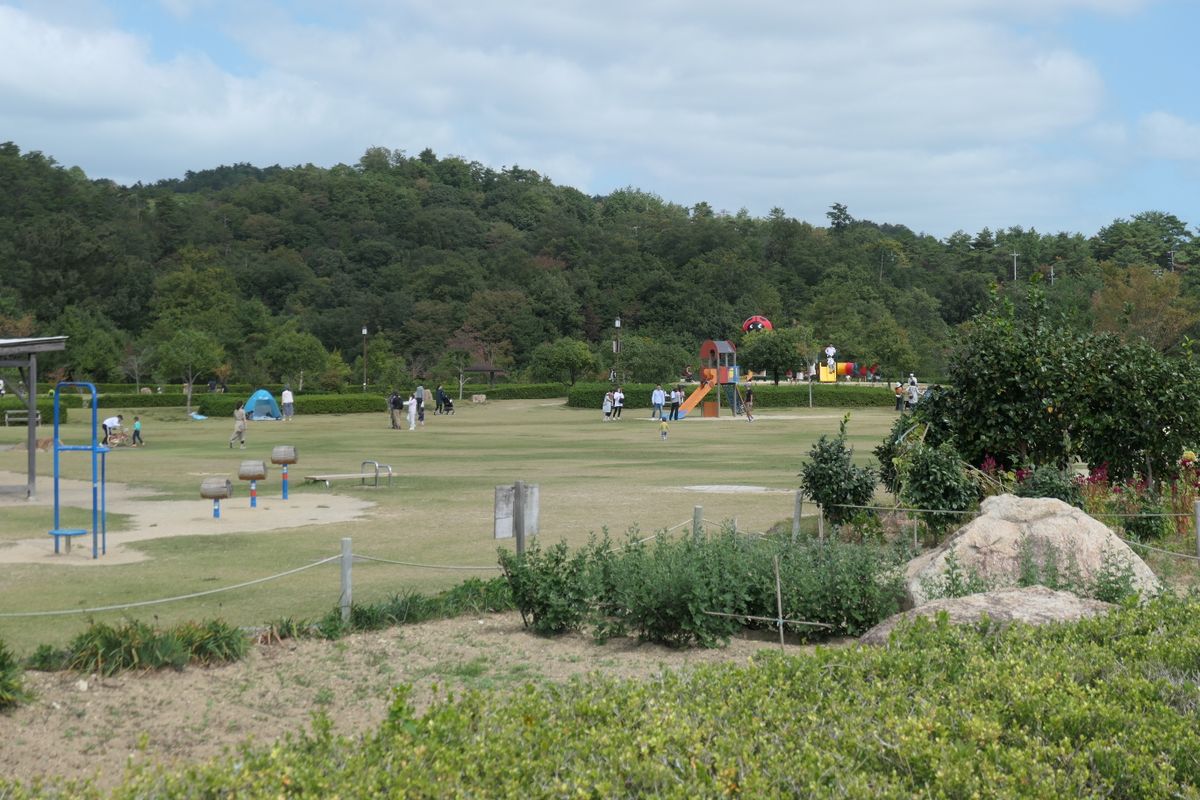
{"points": [[164, 400], [701, 590], [1104, 707], [44, 407], [221, 405], [766, 395]]}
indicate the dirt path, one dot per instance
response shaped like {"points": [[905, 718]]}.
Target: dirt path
{"points": [[81, 726]]}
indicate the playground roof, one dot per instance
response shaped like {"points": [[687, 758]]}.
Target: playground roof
{"points": [[23, 347], [22, 354], [717, 346]]}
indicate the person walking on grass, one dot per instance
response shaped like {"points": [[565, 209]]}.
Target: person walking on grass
{"points": [[748, 402], [395, 409], [289, 403], [663, 428], [239, 426], [676, 399], [618, 403], [658, 399], [137, 432], [607, 406], [412, 411]]}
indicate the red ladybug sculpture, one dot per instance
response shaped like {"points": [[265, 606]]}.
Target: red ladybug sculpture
{"points": [[757, 323]]}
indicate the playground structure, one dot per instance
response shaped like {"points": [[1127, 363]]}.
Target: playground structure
{"points": [[847, 369], [718, 368], [98, 451]]}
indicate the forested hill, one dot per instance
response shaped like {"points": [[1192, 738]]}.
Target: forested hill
{"points": [[277, 269]]}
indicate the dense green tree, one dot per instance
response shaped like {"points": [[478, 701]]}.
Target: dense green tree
{"points": [[290, 354], [776, 351], [188, 355], [564, 360]]}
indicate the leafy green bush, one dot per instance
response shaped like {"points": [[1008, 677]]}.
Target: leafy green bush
{"points": [[699, 590], [933, 478], [1103, 707], [1047, 481], [553, 589], [903, 435], [664, 590], [12, 685], [831, 479], [108, 649]]}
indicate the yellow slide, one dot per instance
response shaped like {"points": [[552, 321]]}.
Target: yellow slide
{"points": [[694, 399]]}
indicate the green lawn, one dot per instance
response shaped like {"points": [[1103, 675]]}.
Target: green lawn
{"points": [[591, 475]]}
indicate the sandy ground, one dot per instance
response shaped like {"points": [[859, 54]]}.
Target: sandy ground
{"points": [[157, 519], [85, 726]]}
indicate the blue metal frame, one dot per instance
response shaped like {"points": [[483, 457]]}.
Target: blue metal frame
{"points": [[98, 451]]}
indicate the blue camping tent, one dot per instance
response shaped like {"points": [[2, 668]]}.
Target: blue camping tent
{"points": [[262, 405]]}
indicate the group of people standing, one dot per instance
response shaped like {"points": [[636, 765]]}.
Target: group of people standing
{"points": [[660, 399], [413, 407], [664, 405], [614, 402], [907, 396]]}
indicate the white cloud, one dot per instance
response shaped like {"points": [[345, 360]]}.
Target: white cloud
{"points": [[1165, 135], [940, 105]]}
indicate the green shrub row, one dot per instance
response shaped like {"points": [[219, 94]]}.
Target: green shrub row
{"points": [[513, 391], [44, 407], [637, 395], [700, 590], [108, 649], [164, 400], [1104, 707], [472, 596], [221, 405]]}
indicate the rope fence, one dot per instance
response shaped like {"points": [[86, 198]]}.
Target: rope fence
{"points": [[698, 522]]}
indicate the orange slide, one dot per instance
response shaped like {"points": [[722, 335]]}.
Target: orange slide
{"points": [[694, 399]]}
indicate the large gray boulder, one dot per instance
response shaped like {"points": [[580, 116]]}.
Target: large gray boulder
{"points": [[1010, 531], [1032, 605]]}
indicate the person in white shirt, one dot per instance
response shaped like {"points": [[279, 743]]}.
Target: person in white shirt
{"points": [[658, 399], [676, 400], [111, 424], [618, 403], [289, 403]]}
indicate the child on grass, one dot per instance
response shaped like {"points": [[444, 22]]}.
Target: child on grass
{"points": [[662, 429], [137, 432]]}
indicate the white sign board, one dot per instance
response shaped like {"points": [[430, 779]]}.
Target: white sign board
{"points": [[504, 511]]}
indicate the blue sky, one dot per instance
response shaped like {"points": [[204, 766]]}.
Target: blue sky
{"points": [[936, 114]]}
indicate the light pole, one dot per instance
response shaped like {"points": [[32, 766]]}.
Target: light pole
{"points": [[364, 357], [616, 351]]}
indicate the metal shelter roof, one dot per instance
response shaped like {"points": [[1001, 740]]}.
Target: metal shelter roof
{"points": [[22, 354]]}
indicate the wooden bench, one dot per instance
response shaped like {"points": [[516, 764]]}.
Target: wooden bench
{"points": [[20, 415], [68, 534], [362, 475]]}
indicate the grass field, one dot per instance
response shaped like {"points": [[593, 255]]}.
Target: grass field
{"points": [[591, 475]]}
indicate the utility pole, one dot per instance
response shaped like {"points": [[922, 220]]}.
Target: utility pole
{"points": [[1014, 255]]}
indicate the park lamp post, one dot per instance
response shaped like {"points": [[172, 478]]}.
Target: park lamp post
{"points": [[616, 351], [364, 332]]}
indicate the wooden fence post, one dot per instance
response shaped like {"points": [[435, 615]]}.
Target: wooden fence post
{"points": [[347, 560], [796, 513], [518, 517]]}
